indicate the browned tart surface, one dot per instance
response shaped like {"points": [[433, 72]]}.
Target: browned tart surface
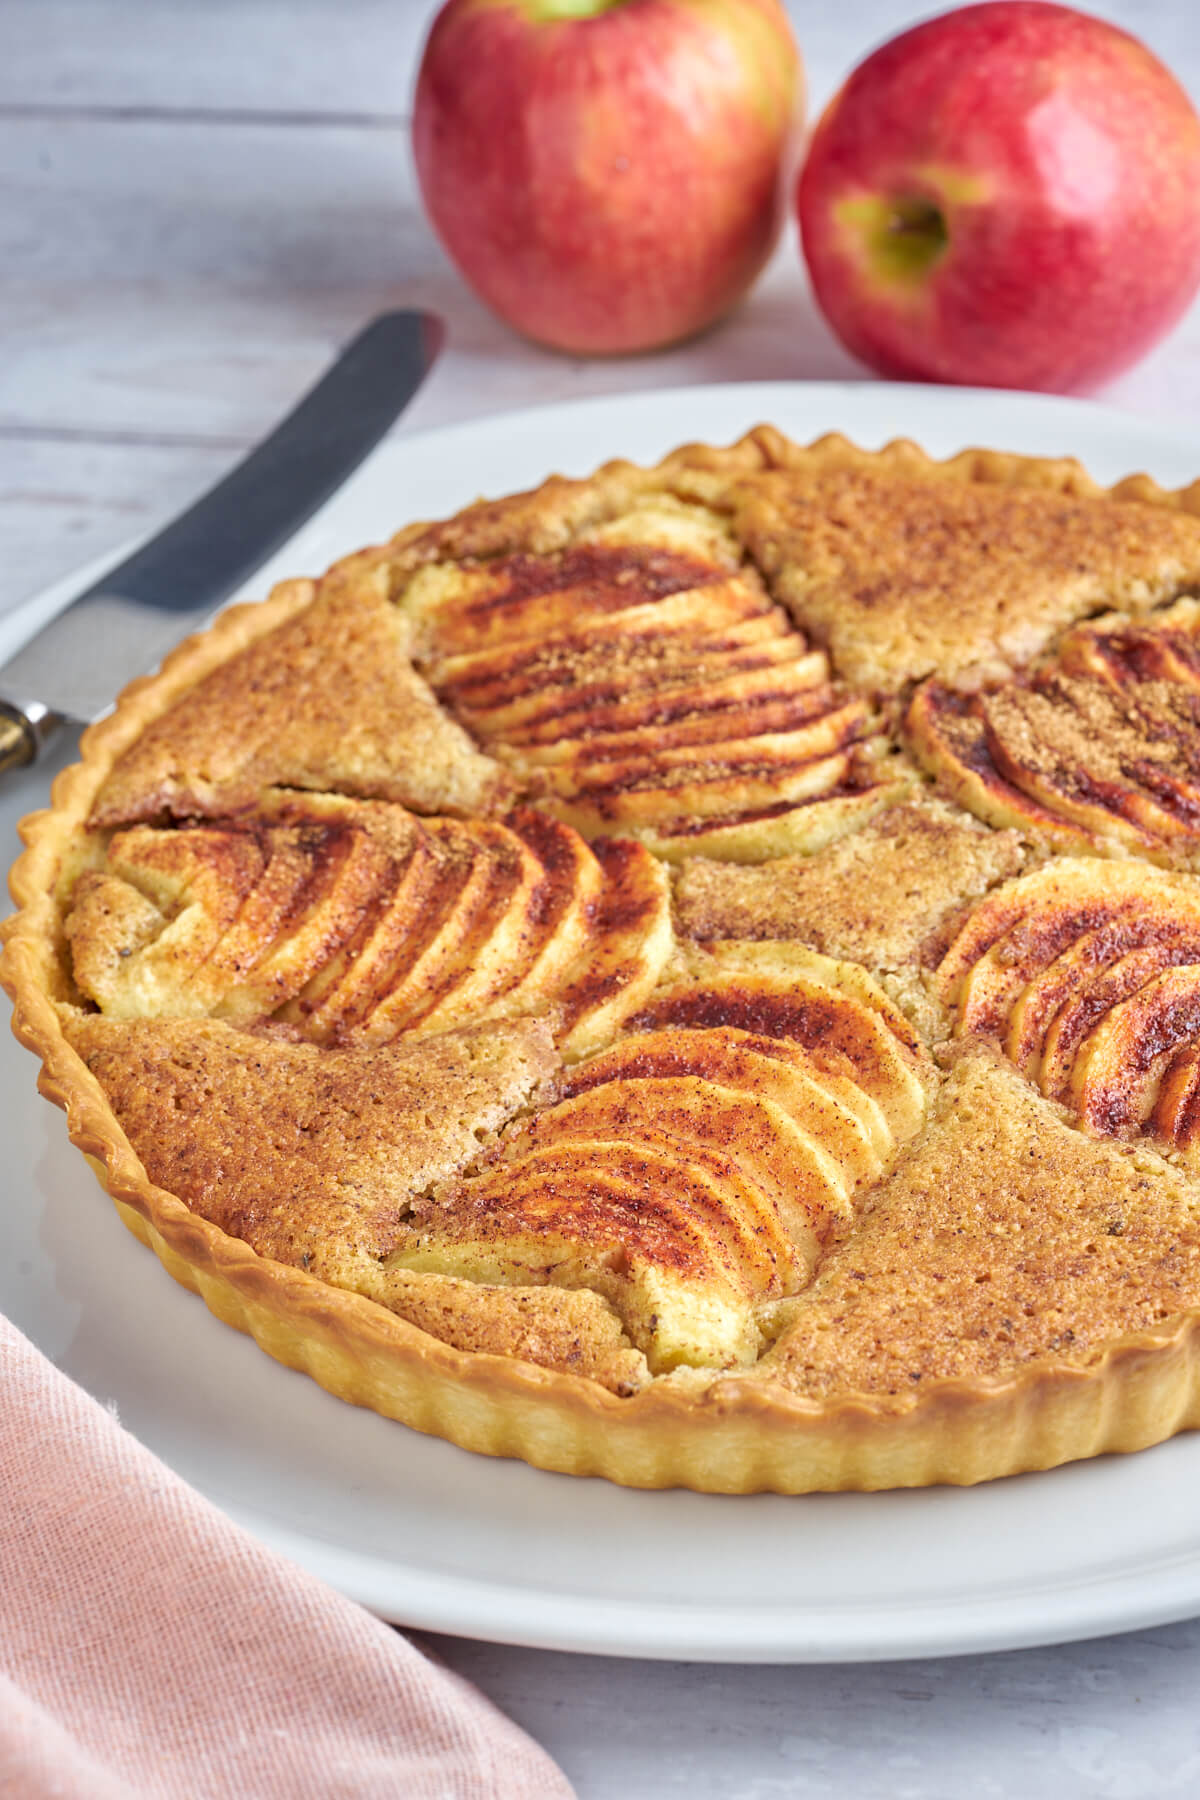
{"points": [[691, 975]]}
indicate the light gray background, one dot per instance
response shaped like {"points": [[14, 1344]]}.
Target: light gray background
{"points": [[198, 202]]}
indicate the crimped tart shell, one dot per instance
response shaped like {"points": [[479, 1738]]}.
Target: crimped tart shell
{"points": [[728, 1433]]}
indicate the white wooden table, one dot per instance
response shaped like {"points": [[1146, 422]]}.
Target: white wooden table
{"points": [[198, 202]]}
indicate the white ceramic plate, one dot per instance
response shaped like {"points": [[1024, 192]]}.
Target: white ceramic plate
{"points": [[433, 1537]]}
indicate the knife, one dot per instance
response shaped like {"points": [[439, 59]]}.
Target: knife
{"points": [[75, 666]]}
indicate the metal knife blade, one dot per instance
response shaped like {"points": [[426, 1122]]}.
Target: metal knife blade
{"points": [[75, 666]]}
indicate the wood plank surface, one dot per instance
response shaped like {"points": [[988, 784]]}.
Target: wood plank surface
{"points": [[355, 58], [1115, 1719]]}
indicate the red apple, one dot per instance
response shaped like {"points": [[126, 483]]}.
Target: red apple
{"points": [[607, 174], [1008, 195]]}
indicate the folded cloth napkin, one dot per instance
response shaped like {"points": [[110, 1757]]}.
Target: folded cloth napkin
{"points": [[150, 1649]]}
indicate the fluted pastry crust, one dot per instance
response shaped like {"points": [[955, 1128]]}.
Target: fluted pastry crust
{"points": [[559, 982]]}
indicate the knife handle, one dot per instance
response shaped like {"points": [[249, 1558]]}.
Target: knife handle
{"points": [[23, 731]]}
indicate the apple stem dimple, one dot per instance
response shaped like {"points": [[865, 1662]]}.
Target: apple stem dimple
{"points": [[547, 12], [898, 237], [914, 235]]}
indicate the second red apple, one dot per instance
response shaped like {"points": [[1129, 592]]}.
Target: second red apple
{"points": [[1007, 195]]}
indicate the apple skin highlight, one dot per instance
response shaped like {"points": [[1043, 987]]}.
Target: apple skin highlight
{"points": [[607, 177], [1006, 196]]}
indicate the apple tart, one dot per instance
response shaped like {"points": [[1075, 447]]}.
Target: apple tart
{"points": [[690, 975]]}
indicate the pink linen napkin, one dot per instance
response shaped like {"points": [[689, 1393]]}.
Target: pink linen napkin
{"points": [[152, 1650]]}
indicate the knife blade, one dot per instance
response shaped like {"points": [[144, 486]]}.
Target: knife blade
{"points": [[122, 625]]}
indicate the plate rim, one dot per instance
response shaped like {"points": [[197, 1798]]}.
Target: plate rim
{"points": [[482, 1610]]}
